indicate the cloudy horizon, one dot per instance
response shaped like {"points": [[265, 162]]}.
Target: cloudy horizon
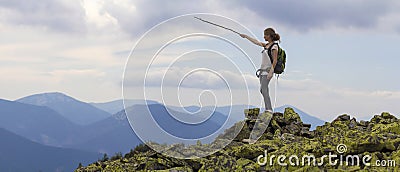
{"points": [[342, 55]]}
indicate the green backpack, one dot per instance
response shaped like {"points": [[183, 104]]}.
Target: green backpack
{"points": [[280, 64]]}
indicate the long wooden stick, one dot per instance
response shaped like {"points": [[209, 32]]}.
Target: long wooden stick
{"points": [[216, 25]]}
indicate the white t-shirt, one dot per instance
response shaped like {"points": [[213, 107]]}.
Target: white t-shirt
{"points": [[265, 60]]}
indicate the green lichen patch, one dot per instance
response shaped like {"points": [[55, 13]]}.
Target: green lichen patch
{"points": [[285, 135]]}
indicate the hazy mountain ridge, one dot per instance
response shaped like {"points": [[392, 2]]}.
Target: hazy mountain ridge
{"points": [[116, 106], [56, 130], [47, 126], [235, 111], [20, 154], [110, 135], [74, 110], [37, 123]]}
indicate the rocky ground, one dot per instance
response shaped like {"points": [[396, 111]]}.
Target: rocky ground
{"points": [[344, 144]]}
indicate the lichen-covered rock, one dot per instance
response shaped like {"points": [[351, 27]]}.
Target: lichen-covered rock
{"points": [[285, 135], [343, 117], [291, 116]]}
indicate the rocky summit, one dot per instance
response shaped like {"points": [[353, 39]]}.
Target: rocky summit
{"points": [[287, 144]]}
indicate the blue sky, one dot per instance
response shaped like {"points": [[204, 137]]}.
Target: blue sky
{"points": [[342, 55]]}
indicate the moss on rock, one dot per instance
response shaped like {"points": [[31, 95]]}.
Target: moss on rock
{"points": [[285, 135]]}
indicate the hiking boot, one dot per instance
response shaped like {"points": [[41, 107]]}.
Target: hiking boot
{"points": [[249, 141]]}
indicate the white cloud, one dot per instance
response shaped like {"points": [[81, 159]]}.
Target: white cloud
{"points": [[316, 15], [136, 16], [327, 102], [72, 46], [74, 73], [58, 15], [201, 78], [96, 16]]}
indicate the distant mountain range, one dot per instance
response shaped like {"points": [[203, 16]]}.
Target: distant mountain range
{"points": [[55, 119], [20, 154], [37, 123], [116, 106], [46, 126], [236, 111], [144, 116], [74, 110], [110, 135]]}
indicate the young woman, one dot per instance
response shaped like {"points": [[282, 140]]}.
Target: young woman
{"points": [[267, 67]]}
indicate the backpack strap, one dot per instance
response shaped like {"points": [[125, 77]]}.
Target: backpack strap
{"points": [[270, 50]]}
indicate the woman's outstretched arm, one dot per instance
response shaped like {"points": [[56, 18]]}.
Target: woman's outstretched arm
{"points": [[255, 41]]}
